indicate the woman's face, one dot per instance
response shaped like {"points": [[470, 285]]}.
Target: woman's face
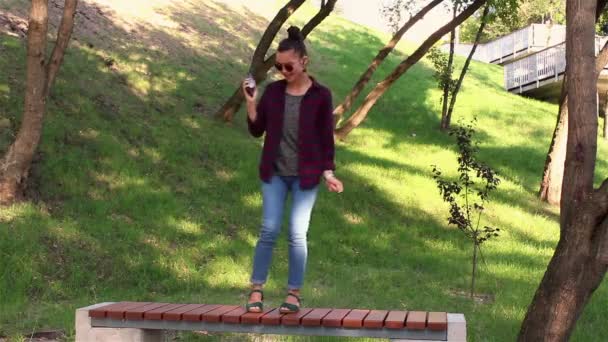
{"points": [[290, 64]]}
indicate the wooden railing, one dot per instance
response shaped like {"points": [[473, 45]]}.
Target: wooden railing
{"points": [[543, 65], [523, 41], [508, 45], [516, 44]]}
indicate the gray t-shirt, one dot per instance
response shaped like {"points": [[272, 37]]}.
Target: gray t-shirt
{"points": [[287, 159]]}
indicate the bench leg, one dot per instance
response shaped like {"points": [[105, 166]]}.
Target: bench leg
{"points": [[86, 333], [457, 328]]}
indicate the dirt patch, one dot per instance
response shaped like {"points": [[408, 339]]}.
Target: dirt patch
{"points": [[41, 336], [479, 298]]}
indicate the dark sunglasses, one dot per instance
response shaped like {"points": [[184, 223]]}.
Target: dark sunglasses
{"points": [[288, 67]]}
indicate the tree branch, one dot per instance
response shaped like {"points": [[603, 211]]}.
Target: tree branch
{"points": [[604, 186], [373, 96], [272, 30], [463, 72], [599, 202], [602, 249], [380, 56], [599, 207], [601, 60], [260, 74], [318, 18], [63, 38]]}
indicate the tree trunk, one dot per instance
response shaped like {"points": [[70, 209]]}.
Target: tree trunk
{"points": [[572, 275], [606, 116], [63, 38], [579, 264], [473, 273], [383, 86], [551, 183], [380, 57], [15, 164], [465, 68], [259, 67], [448, 77]]}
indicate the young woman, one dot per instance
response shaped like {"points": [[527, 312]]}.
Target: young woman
{"points": [[296, 115]]}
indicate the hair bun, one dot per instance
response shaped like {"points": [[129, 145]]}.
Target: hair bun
{"points": [[294, 33]]}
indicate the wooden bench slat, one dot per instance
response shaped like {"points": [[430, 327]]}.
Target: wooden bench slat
{"points": [[398, 325], [355, 318], [254, 317], [295, 318], [347, 318], [176, 314], [395, 319], [272, 318], [234, 316], [119, 312], [216, 315], [437, 321], [416, 320], [196, 314], [101, 311], [375, 319], [314, 317], [138, 313], [334, 318], [157, 314]]}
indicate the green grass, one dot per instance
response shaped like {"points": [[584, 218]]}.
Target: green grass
{"points": [[138, 194]]}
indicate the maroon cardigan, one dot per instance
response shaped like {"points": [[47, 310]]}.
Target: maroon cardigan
{"points": [[315, 131]]}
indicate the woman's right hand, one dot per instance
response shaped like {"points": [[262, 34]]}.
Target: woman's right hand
{"points": [[334, 184], [248, 82]]}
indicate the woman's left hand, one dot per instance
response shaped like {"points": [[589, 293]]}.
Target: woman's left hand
{"points": [[334, 184]]}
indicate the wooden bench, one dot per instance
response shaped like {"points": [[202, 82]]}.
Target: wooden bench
{"points": [[146, 321]]}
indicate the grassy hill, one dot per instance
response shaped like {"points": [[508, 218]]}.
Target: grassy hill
{"points": [[139, 194]]}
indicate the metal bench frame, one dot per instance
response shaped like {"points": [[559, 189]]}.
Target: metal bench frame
{"points": [[106, 329]]}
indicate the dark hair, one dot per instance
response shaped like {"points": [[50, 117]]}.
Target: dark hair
{"points": [[294, 41]]}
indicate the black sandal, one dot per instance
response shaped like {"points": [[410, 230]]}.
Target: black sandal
{"points": [[290, 308], [253, 307]]}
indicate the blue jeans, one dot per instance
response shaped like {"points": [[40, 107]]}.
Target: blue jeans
{"points": [[274, 196]]}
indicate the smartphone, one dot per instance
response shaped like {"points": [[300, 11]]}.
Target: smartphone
{"points": [[250, 85]]}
